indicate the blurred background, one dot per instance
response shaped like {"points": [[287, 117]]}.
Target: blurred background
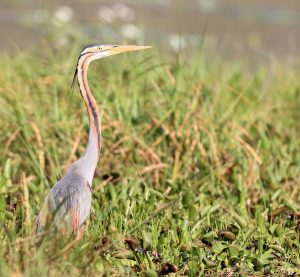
{"points": [[236, 28]]}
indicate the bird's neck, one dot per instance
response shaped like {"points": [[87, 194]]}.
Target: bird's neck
{"points": [[89, 160]]}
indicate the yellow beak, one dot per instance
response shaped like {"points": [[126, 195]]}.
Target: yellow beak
{"points": [[126, 48]]}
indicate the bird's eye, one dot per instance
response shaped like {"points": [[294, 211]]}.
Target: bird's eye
{"points": [[99, 48]]}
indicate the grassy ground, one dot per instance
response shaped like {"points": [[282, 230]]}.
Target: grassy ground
{"points": [[199, 171]]}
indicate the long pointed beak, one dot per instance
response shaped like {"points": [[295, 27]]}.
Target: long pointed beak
{"points": [[126, 48]]}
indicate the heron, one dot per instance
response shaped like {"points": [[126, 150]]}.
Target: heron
{"points": [[68, 203]]}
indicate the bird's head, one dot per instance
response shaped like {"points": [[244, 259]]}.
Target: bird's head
{"points": [[97, 51]]}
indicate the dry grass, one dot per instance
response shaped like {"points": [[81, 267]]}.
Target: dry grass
{"points": [[199, 169]]}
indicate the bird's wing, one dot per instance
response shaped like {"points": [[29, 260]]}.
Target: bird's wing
{"points": [[68, 203]]}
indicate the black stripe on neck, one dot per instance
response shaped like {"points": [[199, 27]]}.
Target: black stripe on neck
{"points": [[90, 103]]}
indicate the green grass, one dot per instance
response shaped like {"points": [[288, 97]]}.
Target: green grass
{"points": [[200, 165]]}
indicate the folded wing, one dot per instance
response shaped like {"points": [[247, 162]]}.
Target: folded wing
{"points": [[67, 205]]}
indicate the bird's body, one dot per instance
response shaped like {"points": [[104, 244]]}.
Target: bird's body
{"points": [[68, 203]]}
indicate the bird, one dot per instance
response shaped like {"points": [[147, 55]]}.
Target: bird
{"points": [[68, 203]]}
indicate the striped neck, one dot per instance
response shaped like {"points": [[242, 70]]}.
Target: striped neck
{"points": [[91, 155]]}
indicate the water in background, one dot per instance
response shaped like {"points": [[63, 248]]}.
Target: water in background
{"points": [[237, 28]]}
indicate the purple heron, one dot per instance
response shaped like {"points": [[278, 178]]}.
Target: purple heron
{"points": [[69, 201]]}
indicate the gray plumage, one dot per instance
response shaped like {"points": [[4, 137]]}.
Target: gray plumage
{"points": [[67, 205]]}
